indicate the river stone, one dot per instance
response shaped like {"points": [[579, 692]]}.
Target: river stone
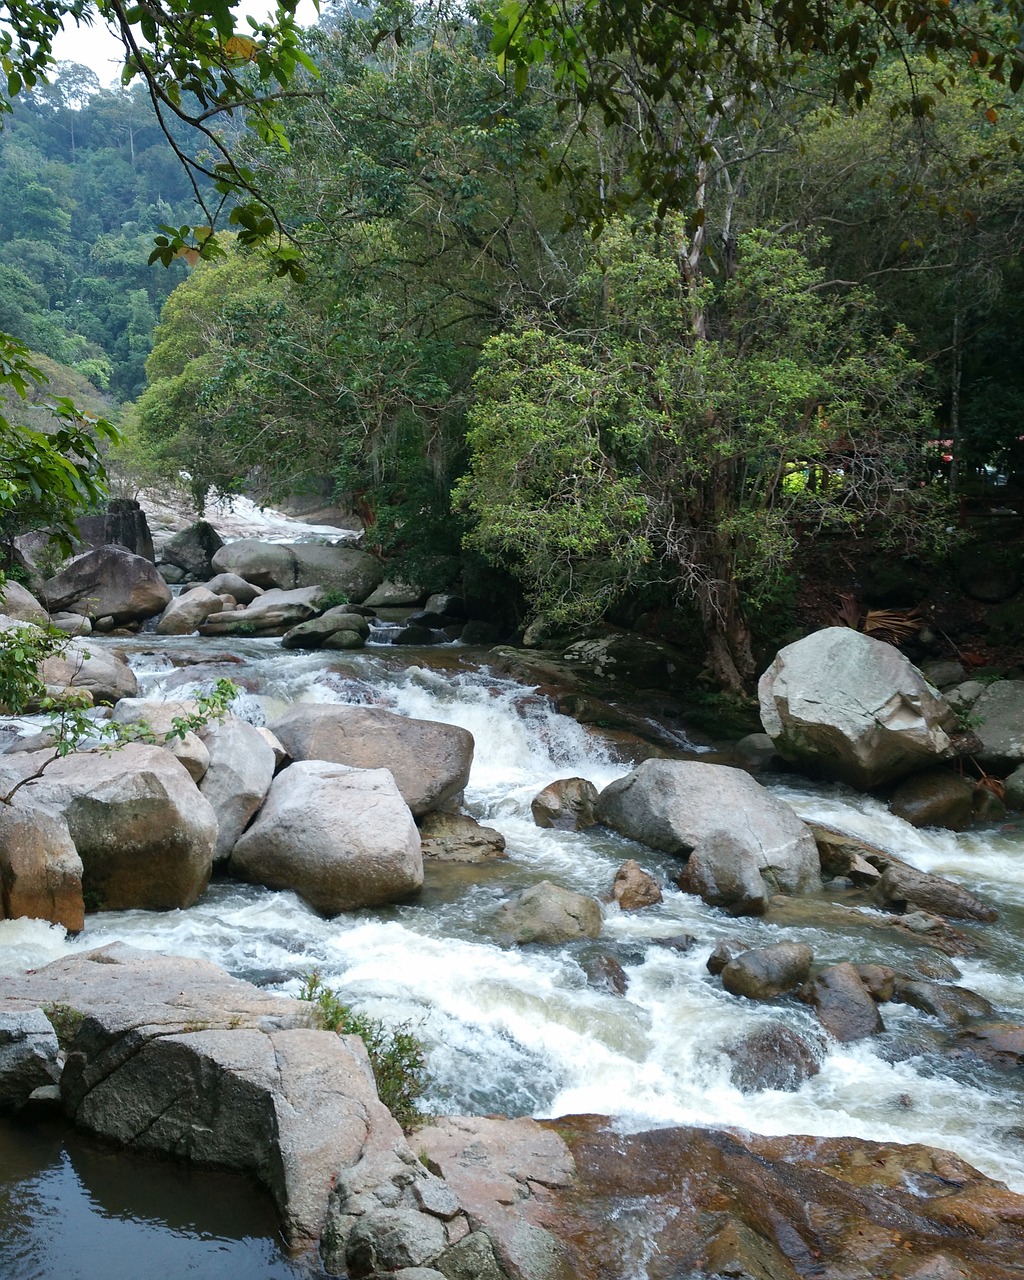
{"points": [[241, 769], [264, 564], [342, 838], [725, 950], [471, 1259], [566, 805], [103, 673], [430, 761], [772, 1056], [186, 613], [902, 888], [879, 979], [606, 973], [843, 1004], [1015, 789], [28, 1055], [176, 1057], [19, 603], [853, 708], [953, 1006], [762, 973], [40, 870], [389, 1239], [934, 799], [998, 720], [193, 549], [346, 569], [550, 914], [160, 717], [144, 833], [316, 632], [455, 837], [1001, 1043], [108, 582], [230, 584], [743, 843], [634, 888]]}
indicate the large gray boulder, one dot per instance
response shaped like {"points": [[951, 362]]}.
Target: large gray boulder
{"points": [[241, 769], [40, 870], [430, 761], [230, 584], [318, 631], [109, 582], [28, 1055], [853, 708], [144, 833], [101, 672], [997, 718], [742, 844], [264, 564], [342, 838], [187, 612], [345, 569], [150, 714], [193, 549]]}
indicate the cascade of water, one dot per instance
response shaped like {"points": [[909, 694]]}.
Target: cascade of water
{"points": [[520, 1030]]}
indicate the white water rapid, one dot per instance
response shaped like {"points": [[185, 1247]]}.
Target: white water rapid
{"points": [[520, 1031]]}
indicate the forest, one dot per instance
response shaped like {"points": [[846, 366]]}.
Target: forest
{"points": [[600, 309]]}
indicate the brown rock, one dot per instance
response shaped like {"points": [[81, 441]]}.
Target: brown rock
{"points": [[937, 798], [903, 888], [999, 1042], [108, 582], [634, 888], [772, 1057], [455, 837], [606, 972], [843, 1004], [566, 805], [762, 973], [550, 914], [953, 1006], [725, 950], [879, 979]]}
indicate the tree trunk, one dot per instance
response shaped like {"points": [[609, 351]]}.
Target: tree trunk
{"points": [[730, 649]]}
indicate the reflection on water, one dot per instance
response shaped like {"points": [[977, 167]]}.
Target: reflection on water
{"points": [[80, 1211]]}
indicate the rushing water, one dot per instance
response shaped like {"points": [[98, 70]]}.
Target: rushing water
{"points": [[519, 1030]]}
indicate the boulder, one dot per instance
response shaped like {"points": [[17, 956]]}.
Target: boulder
{"points": [[743, 844], [953, 1006], [19, 603], [606, 973], [193, 549], [763, 973], [649, 664], [455, 837], [390, 1240], [143, 832], [772, 1056], [634, 888], [40, 870], [566, 805], [315, 632], [108, 582], [187, 612], [342, 838], [345, 569], [843, 1004], [159, 717], [264, 564], [270, 614], [447, 604], [904, 888], [879, 979], [853, 708], [123, 523], [1001, 1043], [103, 673], [726, 949], [394, 595], [231, 584], [549, 914], [72, 624], [241, 769], [28, 1055], [934, 799], [997, 717], [430, 761]]}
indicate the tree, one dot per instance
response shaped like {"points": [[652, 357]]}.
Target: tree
{"points": [[636, 448]]}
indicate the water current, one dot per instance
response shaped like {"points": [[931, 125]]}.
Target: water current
{"points": [[519, 1030]]}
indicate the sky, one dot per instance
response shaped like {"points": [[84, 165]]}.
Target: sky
{"points": [[96, 48]]}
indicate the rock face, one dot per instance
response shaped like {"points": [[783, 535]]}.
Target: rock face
{"points": [[241, 769], [124, 523], [743, 844], [28, 1055], [109, 582], [550, 914], [430, 761], [566, 805], [144, 833], [853, 708], [342, 838], [40, 870], [193, 549]]}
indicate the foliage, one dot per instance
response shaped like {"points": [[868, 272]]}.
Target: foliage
{"points": [[396, 1055], [65, 1020], [331, 599]]}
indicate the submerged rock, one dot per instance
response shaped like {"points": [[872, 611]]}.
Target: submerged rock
{"points": [[550, 914], [843, 1004], [772, 1057], [455, 837]]}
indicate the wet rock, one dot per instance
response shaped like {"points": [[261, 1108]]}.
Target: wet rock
{"points": [[725, 950], [853, 708], [1015, 789], [903, 888], [547, 913], [40, 870], [634, 888], [681, 942], [566, 805], [934, 799], [742, 843], [430, 761], [756, 751], [318, 631], [455, 837], [762, 973], [108, 582], [342, 838], [879, 979], [606, 972], [988, 806], [471, 1259], [28, 1055], [1001, 1043], [843, 1004], [414, 636], [953, 1006], [772, 1057], [187, 613], [193, 549], [389, 1239]]}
